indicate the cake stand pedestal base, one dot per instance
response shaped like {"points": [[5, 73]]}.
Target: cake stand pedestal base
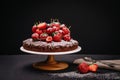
{"points": [[50, 64]]}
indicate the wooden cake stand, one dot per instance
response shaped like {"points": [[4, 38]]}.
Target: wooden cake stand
{"points": [[50, 63]]}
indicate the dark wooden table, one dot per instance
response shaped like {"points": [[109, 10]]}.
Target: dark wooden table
{"points": [[19, 67]]}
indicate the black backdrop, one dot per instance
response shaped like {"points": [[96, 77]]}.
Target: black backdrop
{"points": [[94, 23]]}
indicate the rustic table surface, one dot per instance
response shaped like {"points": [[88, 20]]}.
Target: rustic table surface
{"points": [[19, 67]]}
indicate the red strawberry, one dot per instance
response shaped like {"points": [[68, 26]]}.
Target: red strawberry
{"points": [[38, 31], [50, 30], [83, 67], [65, 30], [49, 39], [56, 28], [35, 36], [93, 67], [34, 28], [42, 25], [62, 25], [43, 36], [48, 25], [61, 31], [57, 24], [57, 36], [66, 37], [44, 30]]}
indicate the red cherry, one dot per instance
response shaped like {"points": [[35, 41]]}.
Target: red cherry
{"points": [[50, 30], [35, 36], [38, 31], [49, 39], [83, 67], [57, 37], [42, 25], [65, 30], [34, 28], [43, 36], [66, 37]]}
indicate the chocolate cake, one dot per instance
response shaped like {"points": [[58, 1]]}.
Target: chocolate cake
{"points": [[53, 37], [42, 46]]}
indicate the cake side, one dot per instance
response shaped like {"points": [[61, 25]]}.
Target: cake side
{"points": [[41, 46]]}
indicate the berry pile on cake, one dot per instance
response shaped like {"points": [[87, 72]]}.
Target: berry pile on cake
{"points": [[52, 37]]}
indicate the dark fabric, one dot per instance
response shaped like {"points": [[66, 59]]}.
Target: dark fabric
{"points": [[19, 67]]}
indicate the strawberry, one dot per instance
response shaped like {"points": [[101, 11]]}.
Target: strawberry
{"points": [[42, 25], [38, 31], [57, 36], [34, 28], [35, 36], [65, 30], [44, 30], [93, 67], [50, 30], [62, 25], [61, 31], [83, 67], [49, 39], [48, 25], [57, 24], [56, 28], [43, 36], [66, 37]]}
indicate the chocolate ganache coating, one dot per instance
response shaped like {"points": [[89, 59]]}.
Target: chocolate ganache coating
{"points": [[43, 46]]}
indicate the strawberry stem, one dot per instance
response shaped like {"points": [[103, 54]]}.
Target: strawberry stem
{"points": [[54, 20], [69, 27], [57, 20], [36, 23], [51, 20], [53, 33]]}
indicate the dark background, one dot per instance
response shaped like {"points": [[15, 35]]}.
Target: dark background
{"points": [[95, 24]]}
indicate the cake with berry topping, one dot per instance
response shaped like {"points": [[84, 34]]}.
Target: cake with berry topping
{"points": [[52, 37]]}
